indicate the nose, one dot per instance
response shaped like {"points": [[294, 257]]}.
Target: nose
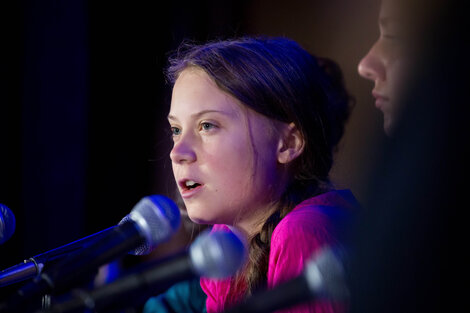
{"points": [[183, 150], [371, 66]]}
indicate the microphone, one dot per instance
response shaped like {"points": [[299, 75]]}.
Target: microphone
{"points": [[153, 220], [323, 278], [7, 223], [216, 254], [33, 266]]}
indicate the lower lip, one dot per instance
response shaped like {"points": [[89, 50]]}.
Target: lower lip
{"points": [[188, 193], [380, 102]]}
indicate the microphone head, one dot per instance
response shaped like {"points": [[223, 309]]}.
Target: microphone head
{"points": [[157, 217], [218, 254], [7, 223], [325, 274]]}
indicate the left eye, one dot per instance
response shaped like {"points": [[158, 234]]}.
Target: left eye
{"points": [[207, 126]]}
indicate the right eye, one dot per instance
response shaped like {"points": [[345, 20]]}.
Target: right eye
{"points": [[390, 36], [175, 131]]}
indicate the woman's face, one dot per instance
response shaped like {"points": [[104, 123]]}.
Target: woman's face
{"points": [[385, 62], [224, 154]]}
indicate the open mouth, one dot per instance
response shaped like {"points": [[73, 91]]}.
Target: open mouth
{"points": [[190, 184]]}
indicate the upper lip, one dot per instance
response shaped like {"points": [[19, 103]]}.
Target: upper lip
{"points": [[378, 95], [182, 182]]}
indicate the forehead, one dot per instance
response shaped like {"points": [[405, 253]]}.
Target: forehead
{"points": [[195, 91], [390, 11], [403, 11], [195, 94]]}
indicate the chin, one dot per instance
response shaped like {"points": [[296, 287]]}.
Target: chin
{"points": [[388, 125], [198, 218]]}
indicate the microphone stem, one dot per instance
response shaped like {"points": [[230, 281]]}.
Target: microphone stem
{"points": [[18, 273], [77, 266], [33, 266], [285, 295], [130, 289]]}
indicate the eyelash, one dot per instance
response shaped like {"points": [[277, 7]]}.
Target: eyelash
{"points": [[203, 126], [174, 130], [209, 124], [390, 37]]}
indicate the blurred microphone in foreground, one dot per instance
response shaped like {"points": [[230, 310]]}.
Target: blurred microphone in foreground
{"points": [[322, 279], [218, 254], [7, 223], [153, 220]]}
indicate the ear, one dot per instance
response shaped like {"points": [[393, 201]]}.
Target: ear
{"points": [[291, 144]]}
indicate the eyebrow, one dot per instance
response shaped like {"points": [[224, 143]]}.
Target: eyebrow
{"points": [[385, 21], [200, 113]]}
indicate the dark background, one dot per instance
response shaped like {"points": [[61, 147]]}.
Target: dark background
{"points": [[83, 101], [83, 136]]}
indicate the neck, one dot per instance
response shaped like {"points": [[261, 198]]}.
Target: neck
{"points": [[252, 226], [257, 215]]}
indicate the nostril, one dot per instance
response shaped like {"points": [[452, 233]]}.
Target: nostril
{"points": [[372, 66], [364, 70]]}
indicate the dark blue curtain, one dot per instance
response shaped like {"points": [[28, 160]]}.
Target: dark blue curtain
{"points": [[83, 107]]}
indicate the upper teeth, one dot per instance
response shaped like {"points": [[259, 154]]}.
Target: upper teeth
{"points": [[190, 183]]}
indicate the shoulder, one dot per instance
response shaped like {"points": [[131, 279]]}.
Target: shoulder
{"points": [[311, 225], [317, 216], [300, 233]]}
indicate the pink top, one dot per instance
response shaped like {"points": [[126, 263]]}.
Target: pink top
{"points": [[311, 225]]}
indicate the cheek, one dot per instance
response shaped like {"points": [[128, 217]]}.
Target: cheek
{"points": [[174, 167], [394, 64], [229, 161], [397, 77], [242, 163], [233, 173]]}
